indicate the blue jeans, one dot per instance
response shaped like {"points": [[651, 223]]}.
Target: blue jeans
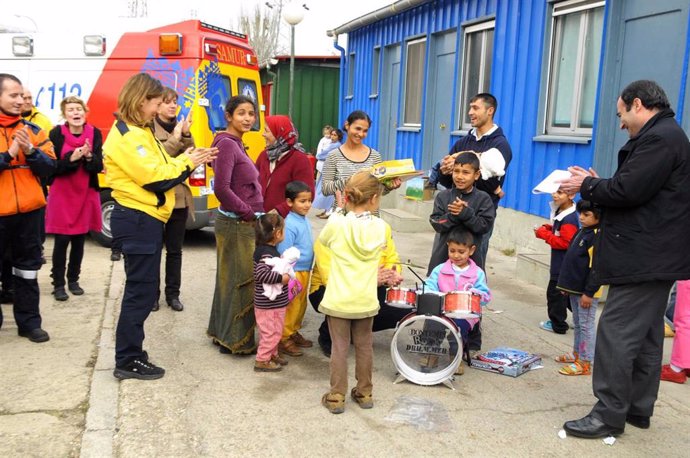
{"points": [[671, 307], [585, 327], [434, 175]]}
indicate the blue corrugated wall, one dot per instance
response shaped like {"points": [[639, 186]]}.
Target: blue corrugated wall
{"points": [[515, 81]]}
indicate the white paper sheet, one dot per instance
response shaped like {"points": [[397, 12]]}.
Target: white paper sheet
{"points": [[551, 183]]}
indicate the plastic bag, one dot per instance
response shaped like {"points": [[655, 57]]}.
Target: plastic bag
{"points": [[421, 413]]}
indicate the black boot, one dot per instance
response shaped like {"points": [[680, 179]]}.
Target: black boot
{"points": [[60, 294], [175, 304], [74, 288]]}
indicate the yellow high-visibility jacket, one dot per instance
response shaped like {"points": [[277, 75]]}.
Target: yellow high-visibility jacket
{"points": [[140, 172]]}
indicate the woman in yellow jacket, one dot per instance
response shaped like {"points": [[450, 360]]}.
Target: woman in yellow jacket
{"points": [[143, 177]]}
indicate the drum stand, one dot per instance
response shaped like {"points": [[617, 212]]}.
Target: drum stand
{"points": [[447, 382]]}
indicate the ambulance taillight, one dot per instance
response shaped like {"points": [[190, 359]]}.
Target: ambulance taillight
{"points": [[198, 176]]}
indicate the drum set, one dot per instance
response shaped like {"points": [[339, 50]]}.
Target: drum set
{"points": [[427, 348], [454, 304]]}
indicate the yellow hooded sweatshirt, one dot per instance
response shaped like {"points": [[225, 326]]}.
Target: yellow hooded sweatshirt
{"points": [[355, 242]]}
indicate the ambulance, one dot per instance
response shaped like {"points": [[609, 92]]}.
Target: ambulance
{"points": [[205, 64]]}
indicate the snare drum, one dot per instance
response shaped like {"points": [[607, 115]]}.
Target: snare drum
{"points": [[403, 298], [462, 304], [426, 349]]}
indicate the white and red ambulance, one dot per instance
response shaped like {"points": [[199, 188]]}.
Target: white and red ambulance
{"points": [[205, 64]]}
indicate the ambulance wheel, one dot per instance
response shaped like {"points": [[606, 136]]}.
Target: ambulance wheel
{"points": [[105, 237]]}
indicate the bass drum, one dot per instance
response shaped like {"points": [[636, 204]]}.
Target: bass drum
{"points": [[426, 349]]}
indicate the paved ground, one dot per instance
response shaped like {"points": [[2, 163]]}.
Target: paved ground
{"points": [[60, 399]]}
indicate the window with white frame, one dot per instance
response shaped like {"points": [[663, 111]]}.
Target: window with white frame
{"points": [[375, 71], [414, 81], [351, 75], [478, 45], [576, 36]]}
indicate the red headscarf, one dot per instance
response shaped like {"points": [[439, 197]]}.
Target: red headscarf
{"points": [[282, 127], [286, 136]]}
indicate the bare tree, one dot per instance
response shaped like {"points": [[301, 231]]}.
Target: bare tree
{"points": [[262, 26]]}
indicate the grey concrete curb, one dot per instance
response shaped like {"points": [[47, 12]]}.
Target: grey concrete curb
{"points": [[101, 418]]}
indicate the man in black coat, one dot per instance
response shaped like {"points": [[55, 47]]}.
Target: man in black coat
{"points": [[643, 247]]}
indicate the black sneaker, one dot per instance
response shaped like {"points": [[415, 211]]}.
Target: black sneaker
{"points": [[60, 294], [74, 288], [37, 335], [139, 369], [115, 255]]}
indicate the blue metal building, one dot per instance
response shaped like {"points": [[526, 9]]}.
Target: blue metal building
{"points": [[555, 66]]}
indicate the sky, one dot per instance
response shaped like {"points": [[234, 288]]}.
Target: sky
{"points": [[84, 17]]}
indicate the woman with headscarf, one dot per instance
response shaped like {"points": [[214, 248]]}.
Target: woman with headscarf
{"points": [[281, 162]]}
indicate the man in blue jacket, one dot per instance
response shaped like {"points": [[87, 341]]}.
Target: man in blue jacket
{"points": [[484, 136], [643, 247]]}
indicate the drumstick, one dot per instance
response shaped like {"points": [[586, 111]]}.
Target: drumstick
{"points": [[420, 278], [408, 263]]}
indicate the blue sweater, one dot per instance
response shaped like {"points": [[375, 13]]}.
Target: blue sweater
{"points": [[576, 275], [298, 234]]}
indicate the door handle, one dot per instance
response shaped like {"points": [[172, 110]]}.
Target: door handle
{"points": [[442, 126]]}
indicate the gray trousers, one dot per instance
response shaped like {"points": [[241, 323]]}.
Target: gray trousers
{"points": [[627, 362]]}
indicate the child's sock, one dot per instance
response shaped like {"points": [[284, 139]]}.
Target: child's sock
{"points": [[675, 368]]}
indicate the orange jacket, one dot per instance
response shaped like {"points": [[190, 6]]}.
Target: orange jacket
{"points": [[20, 185]]}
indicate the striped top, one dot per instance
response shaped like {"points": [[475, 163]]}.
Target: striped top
{"points": [[263, 273], [338, 169]]}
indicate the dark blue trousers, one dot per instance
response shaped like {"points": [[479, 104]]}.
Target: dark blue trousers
{"points": [[141, 239], [21, 233]]}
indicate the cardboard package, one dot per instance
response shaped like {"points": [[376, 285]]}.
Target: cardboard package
{"points": [[507, 361]]}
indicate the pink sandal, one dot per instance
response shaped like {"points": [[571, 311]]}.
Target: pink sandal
{"points": [[567, 358]]}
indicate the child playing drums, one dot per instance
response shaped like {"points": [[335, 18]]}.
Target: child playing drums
{"points": [[460, 273]]}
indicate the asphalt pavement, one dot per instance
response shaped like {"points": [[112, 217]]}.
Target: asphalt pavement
{"points": [[60, 398]]}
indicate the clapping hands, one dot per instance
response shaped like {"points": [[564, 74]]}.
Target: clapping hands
{"points": [[201, 155], [457, 206], [83, 151], [21, 142], [182, 127], [388, 277]]}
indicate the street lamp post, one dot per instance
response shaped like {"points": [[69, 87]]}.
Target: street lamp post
{"points": [[293, 14]]}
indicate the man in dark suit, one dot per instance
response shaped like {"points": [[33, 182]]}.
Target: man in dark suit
{"points": [[643, 247]]}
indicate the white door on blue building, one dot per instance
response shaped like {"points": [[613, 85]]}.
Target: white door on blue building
{"points": [[390, 98], [439, 105], [647, 41]]}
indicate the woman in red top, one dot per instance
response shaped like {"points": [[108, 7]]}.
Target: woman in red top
{"points": [[283, 161], [74, 207]]}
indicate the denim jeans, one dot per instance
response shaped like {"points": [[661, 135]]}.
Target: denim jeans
{"points": [[671, 307], [585, 327]]}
